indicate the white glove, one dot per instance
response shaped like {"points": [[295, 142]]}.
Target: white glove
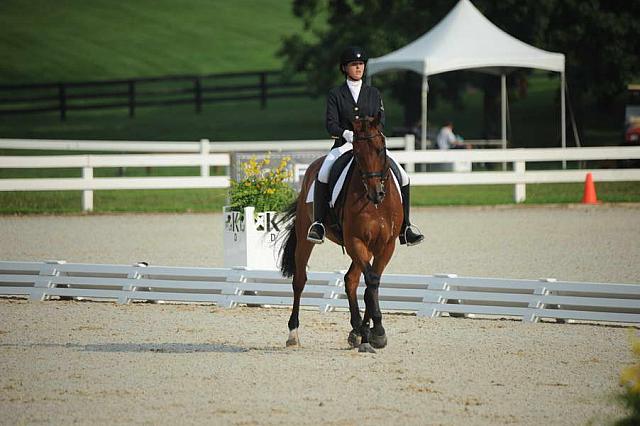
{"points": [[348, 136]]}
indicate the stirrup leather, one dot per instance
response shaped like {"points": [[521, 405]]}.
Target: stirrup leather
{"points": [[416, 237], [315, 235]]}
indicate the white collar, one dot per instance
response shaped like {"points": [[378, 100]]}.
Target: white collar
{"points": [[354, 84], [354, 88]]}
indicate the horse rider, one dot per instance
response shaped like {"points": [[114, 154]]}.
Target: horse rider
{"points": [[344, 103]]}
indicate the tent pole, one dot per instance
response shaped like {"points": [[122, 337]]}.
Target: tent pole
{"points": [[503, 91], [425, 90], [563, 116]]}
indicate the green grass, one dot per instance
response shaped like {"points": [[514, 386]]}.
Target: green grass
{"points": [[212, 200], [70, 40], [142, 201], [282, 119], [536, 194], [535, 121], [78, 40], [73, 40]]}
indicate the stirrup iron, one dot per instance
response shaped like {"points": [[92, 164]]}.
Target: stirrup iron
{"points": [[313, 236], [418, 234]]}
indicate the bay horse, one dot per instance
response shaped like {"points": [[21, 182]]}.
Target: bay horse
{"points": [[372, 216]]}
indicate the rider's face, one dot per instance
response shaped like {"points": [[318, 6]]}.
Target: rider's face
{"points": [[355, 70]]}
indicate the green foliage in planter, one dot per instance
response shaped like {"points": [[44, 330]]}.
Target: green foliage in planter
{"points": [[264, 188], [630, 381]]}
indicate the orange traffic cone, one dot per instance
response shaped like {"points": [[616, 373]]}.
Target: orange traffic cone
{"points": [[589, 196]]}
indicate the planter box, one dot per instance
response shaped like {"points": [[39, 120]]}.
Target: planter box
{"points": [[251, 239]]}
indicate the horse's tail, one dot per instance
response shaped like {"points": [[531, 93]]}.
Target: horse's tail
{"points": [[288, 250]]}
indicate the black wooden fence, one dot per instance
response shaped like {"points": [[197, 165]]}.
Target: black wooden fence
{"points": [[144, 92]]}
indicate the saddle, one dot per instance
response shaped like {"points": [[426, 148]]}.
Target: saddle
{"points": [[338, 178]]}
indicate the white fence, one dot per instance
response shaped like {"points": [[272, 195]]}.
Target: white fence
{"points": [[205, 157], [425, 295], [520, 176]]}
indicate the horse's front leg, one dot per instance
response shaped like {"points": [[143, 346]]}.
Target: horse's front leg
{"points": [[351, 281], [377, 336], [372, 275], [360, 256]]}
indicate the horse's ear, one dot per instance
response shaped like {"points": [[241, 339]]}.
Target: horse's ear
{"points": [[357, 124], [375, 121]]}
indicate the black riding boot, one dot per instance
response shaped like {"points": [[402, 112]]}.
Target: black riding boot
{"points": [[407, 234], [320, 205]]}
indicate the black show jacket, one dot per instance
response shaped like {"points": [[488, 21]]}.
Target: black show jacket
{"points": [[342, 109]]}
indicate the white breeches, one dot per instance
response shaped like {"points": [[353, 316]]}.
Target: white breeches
{"points": [[332, 156]]}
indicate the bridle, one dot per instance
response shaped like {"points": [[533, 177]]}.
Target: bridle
{"points": [[382, 174]]}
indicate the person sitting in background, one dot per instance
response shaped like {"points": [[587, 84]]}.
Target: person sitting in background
{"points": [[448, 140]]}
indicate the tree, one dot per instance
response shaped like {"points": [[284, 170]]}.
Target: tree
{"points": [[373, 24], [600, 39]]}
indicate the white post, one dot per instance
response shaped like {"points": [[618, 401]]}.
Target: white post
{"points": [[425, 91], [503, 90], [204, 152], [42, 283], [87, 195], [563, 117], [409, 146], [520, 189]]}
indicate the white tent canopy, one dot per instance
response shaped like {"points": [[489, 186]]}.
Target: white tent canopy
{"points": [[466, 39]]}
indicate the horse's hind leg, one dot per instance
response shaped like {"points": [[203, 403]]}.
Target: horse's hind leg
{"points": [[303, 251]]}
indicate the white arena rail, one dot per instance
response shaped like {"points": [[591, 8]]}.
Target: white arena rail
{"points": [[425, 295], [519, 176], [88, 183]]}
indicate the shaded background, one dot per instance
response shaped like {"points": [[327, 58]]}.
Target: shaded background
{"points": [[89, 41]]}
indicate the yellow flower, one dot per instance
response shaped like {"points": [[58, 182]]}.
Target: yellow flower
{"points": [[635, 346], [630, 377]]}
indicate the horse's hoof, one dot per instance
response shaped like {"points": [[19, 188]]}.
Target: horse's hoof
{"points": [[354, 339], [366, 331], [293, 339], [378, 342], [365, 347]]}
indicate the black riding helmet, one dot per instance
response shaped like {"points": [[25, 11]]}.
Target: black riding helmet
{"points": [[352, 54]]}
